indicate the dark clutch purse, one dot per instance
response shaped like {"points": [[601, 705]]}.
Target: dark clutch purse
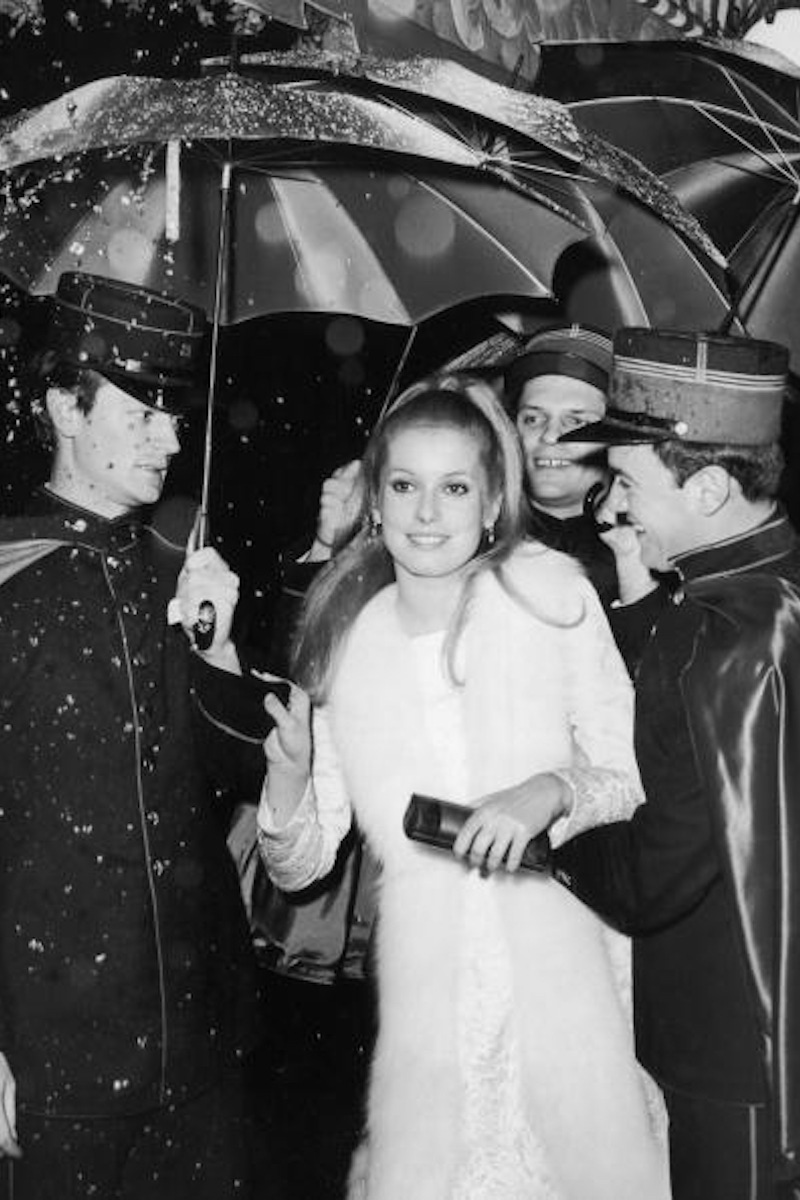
{"points": [[437, 823]]}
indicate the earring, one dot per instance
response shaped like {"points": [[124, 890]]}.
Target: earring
{"points": [[374, 525], [490, 534]]}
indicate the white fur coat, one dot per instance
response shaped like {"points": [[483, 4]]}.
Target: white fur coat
{"points": [[540, 693]]}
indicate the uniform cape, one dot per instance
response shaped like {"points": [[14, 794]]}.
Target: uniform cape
{"points": [[24, 540], [742, 696]]}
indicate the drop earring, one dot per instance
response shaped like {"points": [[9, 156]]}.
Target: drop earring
{"points": [[374, 525], [489, 534]]}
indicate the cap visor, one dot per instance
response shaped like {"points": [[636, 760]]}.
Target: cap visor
{"points": [[615, 433], [176, 398]]}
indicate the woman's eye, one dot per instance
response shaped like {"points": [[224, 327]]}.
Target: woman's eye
{"points": [[401, 485], [457, 489]]}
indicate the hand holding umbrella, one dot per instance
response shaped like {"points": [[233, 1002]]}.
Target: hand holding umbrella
{"points": [[204, 604]]}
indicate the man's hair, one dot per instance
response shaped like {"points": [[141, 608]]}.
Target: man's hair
{"points": [[757, 469], [45, 372]]}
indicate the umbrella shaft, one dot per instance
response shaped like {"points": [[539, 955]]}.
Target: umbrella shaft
{"points": [[222, 242]]}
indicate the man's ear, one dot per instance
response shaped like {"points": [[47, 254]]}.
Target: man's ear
{"points": [[709, 490], [62, 407]]}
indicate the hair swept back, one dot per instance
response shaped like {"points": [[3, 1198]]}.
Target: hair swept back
{"points": [[363, 566]]}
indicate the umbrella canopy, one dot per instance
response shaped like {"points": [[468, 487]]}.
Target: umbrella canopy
{"points": [[390, 244], [719, 124], [348, 180], [385, 190]]}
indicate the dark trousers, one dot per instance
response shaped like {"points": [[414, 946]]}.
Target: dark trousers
{"points": [[197, 1149], [721, 1151], [308, 1080]]}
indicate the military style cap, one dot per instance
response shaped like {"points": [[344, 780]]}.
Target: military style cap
{"points": [[577, 351], [694, 387], [150, 344]]}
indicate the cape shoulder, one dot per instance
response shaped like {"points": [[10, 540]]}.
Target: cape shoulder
{"points": [[750, 613]]}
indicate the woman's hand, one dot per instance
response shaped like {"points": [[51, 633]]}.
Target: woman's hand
{"points": [[499, 829], [288, 752]]}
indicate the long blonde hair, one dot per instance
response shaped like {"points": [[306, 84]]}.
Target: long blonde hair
{"points": [[363, 566]]}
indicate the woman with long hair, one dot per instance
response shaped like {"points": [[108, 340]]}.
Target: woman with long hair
{"points": [[445, 656]]}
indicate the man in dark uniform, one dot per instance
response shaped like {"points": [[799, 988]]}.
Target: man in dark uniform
{"points": [[706, 875], [127, 987]]}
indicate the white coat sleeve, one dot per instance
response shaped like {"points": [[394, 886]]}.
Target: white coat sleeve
{"points": [[304, 849]]}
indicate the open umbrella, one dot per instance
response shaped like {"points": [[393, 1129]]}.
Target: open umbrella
{"points": [[382, 190], [719, 124]]}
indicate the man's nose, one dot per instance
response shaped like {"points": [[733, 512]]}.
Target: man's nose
{"points": [[553, 429], [615, 502], [163, 432]]}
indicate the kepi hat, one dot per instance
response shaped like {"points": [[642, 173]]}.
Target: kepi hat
{"points": [[693, 387], [150, 344], [578, 351]]}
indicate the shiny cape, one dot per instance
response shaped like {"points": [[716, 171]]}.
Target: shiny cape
{"points": [[24, 540], [741, 690]]}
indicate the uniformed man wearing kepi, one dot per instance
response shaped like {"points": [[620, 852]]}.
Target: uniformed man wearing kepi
{"points": [[706, 875], [127, 989]]}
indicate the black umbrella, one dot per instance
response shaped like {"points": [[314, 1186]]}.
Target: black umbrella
{"points": [[719, 124], [390, 191]]}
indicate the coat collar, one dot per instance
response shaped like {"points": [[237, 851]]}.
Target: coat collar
{"points": [[50, 518], [769, 542]]}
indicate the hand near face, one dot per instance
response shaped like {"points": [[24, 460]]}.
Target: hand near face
{"points": [[622, 536], [498, 831], [339, 504]]}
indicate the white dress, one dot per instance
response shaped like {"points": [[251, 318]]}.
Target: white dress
{"points": [[504, 1161], [504, 1067]]}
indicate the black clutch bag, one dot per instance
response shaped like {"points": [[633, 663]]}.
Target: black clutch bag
{"points": [[437, 823]]}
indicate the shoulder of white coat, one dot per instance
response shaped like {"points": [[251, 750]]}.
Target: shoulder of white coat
{"points": [[372, 625], [548, 577]]}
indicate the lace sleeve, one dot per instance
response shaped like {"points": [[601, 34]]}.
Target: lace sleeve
{"points": [[304, 849], [603, 778], [600, 795]]}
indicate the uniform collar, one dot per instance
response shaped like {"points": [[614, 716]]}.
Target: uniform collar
{"points": [[49, 517], [768, 542]]}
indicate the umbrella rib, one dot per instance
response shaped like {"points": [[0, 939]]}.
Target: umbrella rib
{"points": [[449, 122], [783, 166], [766, 129], [476, 224], [519, 162]]}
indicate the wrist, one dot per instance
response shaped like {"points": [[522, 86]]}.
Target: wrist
{"points": [[562, 797], [634, 583], [321, 550], [282, 796], [223, 658]]}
